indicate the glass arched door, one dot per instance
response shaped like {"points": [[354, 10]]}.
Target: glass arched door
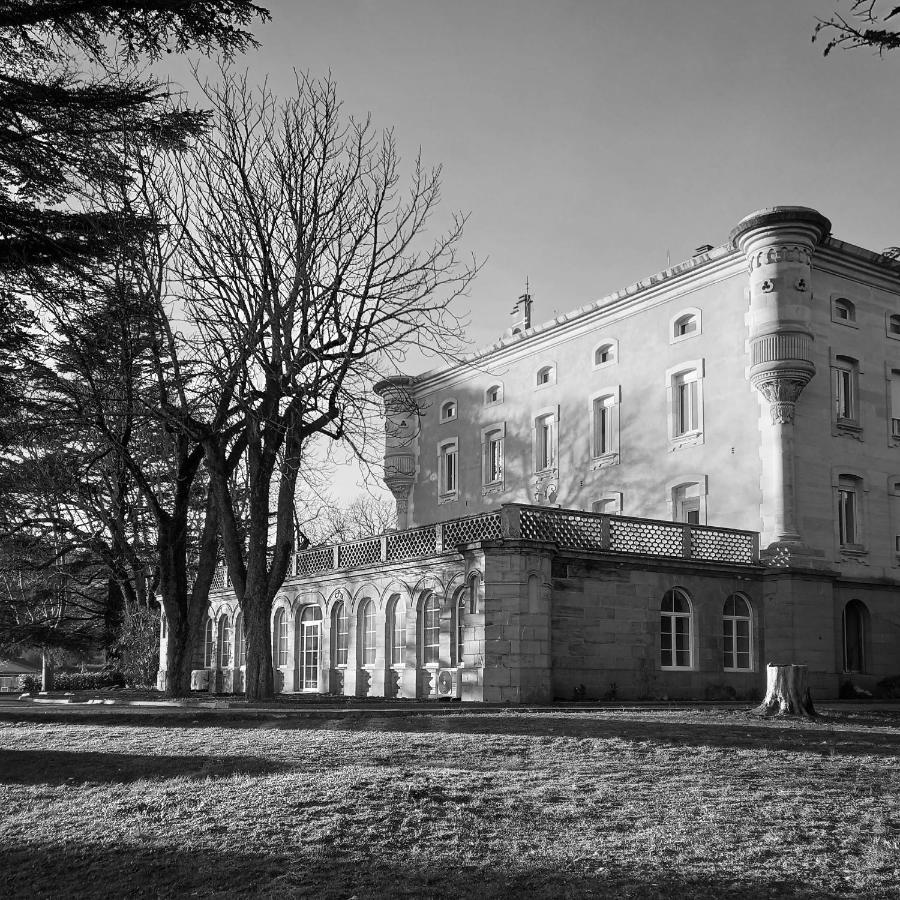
{"points": [[311, 642]]}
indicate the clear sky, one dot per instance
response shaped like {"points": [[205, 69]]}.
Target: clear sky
{"points": [[588, 139]]}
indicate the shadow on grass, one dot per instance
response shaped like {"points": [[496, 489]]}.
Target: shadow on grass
{"points": [[834, 734], [330, 871], [65, 767]]}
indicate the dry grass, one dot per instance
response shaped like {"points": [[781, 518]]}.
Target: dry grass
{"points": [[697, 804]]}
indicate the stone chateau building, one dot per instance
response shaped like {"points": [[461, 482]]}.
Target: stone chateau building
{"points": [[651, 496]]}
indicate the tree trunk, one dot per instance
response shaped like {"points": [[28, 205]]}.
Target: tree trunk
{"points": [[179, 659], [260, 677], [47, 669], [787, 692]]}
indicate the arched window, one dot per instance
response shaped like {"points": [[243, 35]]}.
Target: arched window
{"points": [[367, 632], [494, 394], [675, 630], [845, 391], [736, 633], [280, 632], [893, 325], [855, 632], [460, 614], [397, 630], [448, 410], [473, 583], [685, 325], [240, 641], [545, 375], [843, 311], [223, 654], [208, 645], [340, 634], [605, 425], [430, 629]]}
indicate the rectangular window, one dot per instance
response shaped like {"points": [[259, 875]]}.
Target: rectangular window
{"points": [[848, 530], [845, 389], [398, 641], [544, 443], [492, 454], [895, 403], [448, 476], [603, 426], [687, 418]]}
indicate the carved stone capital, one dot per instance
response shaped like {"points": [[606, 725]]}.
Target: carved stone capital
{"points": [[782, 390]]}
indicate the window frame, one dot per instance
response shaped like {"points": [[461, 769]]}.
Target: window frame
{"points": [[496, 386], [430, 651], [673, 617], [692, 312], [840, 302], [281, 638], [490, 435], [672, 496], [447, 450], [443, 415], [734, 620], [849, 485], [397, 630], [605, 343], [367, 630], [549, 368], [545, 441], [689, 372], [209, 643], [340, 634], [607, 453], [845, 379], [608, 497], [224, 642], [889, 319]]}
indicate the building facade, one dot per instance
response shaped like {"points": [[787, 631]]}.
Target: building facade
{"points": [[628, 453]]}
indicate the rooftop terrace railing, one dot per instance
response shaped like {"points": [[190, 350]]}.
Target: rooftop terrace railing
{"points": [[569, 529]]}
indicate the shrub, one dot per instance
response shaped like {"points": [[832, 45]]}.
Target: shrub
{"points": [[74, 681], [136, 650]]}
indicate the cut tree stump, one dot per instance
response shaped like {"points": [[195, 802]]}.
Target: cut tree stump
{"points": [[787, 692]]}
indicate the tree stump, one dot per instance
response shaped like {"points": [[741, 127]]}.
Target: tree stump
{"points": [[787, 692]]}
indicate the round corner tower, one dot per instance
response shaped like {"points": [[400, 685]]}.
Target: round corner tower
{"points": [[779, 243], [400, 431]]}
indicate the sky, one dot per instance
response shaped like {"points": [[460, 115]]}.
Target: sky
{"points": [[590, 141]]}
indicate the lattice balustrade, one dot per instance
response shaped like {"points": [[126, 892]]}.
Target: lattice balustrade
{"points": [[722, 545], [579, 531], [644, 536], [409, 544], [473, 528], [309, 562], [361, 553]]}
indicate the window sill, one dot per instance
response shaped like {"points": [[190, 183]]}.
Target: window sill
{"points": [[726, 669], [605, 461], [605, 365], [848, 428], [546, 473], [447, 498], [847, 323], [854, 550], [690, 439], [676, 668], [543, 387], [679, 338], [493, 488]]}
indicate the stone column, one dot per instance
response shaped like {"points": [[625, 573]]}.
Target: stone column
{"points": [[779, 243], [400, 432]]}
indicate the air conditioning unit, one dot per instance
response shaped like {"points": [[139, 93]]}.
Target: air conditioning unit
{"points": [[449, 684]]}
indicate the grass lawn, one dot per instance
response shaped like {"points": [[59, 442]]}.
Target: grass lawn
{"points": [[697, 803]]}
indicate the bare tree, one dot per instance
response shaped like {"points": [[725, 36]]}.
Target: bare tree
{"points": [[308, 272], [863, 25]]}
